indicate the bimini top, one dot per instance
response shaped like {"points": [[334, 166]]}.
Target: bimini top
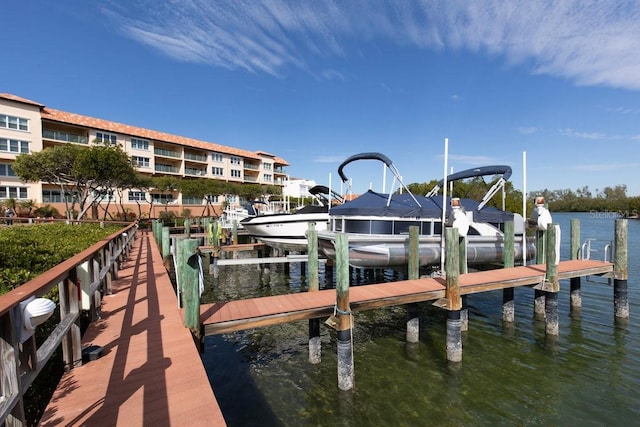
{"points": [[380, 205]]}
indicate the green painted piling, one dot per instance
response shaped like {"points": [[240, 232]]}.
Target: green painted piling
{"points": [[452, 295], [508, 257], [234, 232], [575, 295], [552, 284], [620, 270], [190, 273], [343, 312], [187, 227], [413, 322], [315, 347], [166, 242]]}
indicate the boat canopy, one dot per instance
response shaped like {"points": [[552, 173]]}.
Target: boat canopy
{"points": [[380, 205]]}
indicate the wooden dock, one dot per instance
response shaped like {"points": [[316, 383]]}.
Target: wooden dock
{"points": [[223, 317], [150, 372]]}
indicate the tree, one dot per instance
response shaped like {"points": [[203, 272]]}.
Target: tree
{"points": [[77, 171]]}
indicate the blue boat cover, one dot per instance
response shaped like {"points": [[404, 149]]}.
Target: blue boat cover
{"points": [[372, 203]]}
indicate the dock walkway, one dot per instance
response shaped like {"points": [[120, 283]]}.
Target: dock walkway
{"points": [[150, 372], [231, 316]]}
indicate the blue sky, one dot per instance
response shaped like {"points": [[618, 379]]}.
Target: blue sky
{"points": [[317, 81]]}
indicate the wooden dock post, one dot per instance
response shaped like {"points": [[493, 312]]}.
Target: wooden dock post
{"points": [[343, 311], [574, 248], [539, 302], [463, 269], [166, 243], [508, 257], [413, 321], [315, 343], [189, 268], [187, 227], [234, 232], [552, 284], [452, 295], [620, 297]]}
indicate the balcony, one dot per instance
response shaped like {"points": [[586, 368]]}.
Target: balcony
{"points": [[250, 178], [166, 168], [166, 153], [195, 157], [64, 136], [195, 172], [251, 166]]}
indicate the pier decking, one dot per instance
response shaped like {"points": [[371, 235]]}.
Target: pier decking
{"points": [[223, 317], [150, 372]]}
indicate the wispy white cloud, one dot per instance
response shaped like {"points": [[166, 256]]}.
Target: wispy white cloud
{"points": [[527, 130], [571, 133], [330, 159], [455, 97], [589, 42]]}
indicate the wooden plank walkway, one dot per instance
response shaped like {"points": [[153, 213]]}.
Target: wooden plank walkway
{"points": [[150, 372], [223, 317]]}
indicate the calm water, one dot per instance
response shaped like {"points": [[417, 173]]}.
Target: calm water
{"points": [[510, 375]]}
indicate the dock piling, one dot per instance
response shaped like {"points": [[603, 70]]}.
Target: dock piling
{"points": [[538, 302], [552, 285], [413, 321], [452, 295], [315, 344], [575, 292], [508, 305], [620, 297], [343, 311]]}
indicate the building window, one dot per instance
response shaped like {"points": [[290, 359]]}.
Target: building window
{"points": [[163, 199], [51, 196], [235, 160], [6, 170], [267, 166], [191, 200], [268, 177], [104, 196], [217, 171], [141, 162], [139, 144], [13, 192], [139, 196], [14, 146], [217, 157], [106, 138], [213, 199], [236, 173], [11, 122]]}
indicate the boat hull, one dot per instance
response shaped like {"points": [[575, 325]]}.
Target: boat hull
{"points": [[285, 231], [380, 251]]}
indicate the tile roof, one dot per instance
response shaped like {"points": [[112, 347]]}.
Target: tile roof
{"points": [[105, 125], [11, 97]]}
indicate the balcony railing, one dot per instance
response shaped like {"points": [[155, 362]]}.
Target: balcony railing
{"points": [[64, 136], [250, 178], [195, 157], [166, 153], [166, 168], [251, 166], [195, 172]]}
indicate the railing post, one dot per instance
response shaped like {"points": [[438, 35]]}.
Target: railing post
{"points": [[10, 384], [187, 227], [69, 305], [166, 242]]}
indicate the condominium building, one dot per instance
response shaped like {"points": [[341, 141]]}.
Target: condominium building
{"points": [[27, 127]]}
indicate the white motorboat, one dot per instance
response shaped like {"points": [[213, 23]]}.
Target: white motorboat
{"points": [[377, 224], [287, 231]]}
